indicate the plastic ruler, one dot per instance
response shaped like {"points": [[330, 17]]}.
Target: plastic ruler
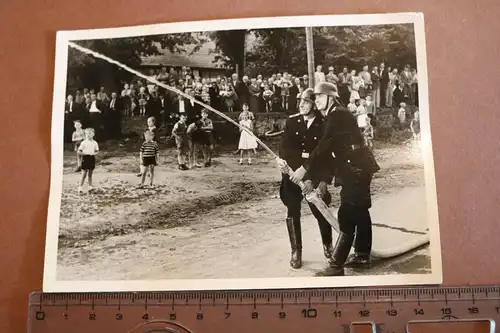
{"points": [[390, 310]]}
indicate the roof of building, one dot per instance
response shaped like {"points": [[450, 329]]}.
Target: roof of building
{"points": [[203, 58]]}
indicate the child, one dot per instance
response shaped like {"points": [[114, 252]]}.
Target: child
{"points": [[370, 106], [402, 114], [368, 134], [247, 141], [361, 109], [415, 125], [208, 139], [78, 137], [285, 94], [133, 100], [228, 96], [143, 100], [88, 149], [194, 135], [267, 95], [152, 128], [197, 86], [205, 95], [180, 133], [352, 107], [362, 115], [149, 156], [125, 94], [246, 111], [189, 82], [370, 109]]}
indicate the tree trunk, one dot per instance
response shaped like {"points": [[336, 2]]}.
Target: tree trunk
{"points": [[310, 56], [240, 37], [244, 63]]}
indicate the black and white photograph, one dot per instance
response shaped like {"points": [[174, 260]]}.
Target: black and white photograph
{"points": [[257, 153]]}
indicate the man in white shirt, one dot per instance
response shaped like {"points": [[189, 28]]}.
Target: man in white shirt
{"points": [[69, 104], [95, 115], [94, 104], [69, 107]]}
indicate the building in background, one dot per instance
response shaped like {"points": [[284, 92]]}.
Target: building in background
{"points": [[202, 62]]}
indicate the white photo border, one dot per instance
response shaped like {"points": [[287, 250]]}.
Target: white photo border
{"points": [[51, 284]]}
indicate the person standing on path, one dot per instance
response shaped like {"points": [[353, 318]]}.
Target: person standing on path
{"points": [[301, 135], [354, 166]]}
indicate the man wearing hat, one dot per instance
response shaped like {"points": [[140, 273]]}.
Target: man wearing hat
{"points": [[353, 166], [301, 135]]}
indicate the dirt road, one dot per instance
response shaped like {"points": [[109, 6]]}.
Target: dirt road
{"points": [[225, 221]]}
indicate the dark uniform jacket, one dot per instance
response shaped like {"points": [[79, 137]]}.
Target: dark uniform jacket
{"points": [[298, 142], [342, 140]]}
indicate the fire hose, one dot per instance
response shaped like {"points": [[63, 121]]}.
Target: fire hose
{"points": [[313, 197]]}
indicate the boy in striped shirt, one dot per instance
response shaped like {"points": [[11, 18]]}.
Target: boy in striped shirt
{"points": [[149, 156]]}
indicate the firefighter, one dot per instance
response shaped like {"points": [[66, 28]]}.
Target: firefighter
{"points": [[353, 166], [301, 135]]}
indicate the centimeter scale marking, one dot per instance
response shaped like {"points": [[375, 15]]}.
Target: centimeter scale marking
{"points": [[316, 310]]}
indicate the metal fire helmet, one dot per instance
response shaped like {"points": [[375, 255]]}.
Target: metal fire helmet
{"points": [[326, 88], [308, 95]]}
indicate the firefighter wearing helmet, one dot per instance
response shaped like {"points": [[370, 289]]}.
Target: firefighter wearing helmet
{"points": [[300, 137], [353, 167]]}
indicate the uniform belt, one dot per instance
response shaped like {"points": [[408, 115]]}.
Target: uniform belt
{"points": [[352, 147]]}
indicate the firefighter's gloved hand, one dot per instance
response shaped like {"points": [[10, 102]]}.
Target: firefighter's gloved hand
{"points": [[282, 165], [308, 187], [322, 188], [298, 175]]}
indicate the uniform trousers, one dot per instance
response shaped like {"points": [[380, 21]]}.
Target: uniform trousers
{"points": [[291, 196], [353, 215]]}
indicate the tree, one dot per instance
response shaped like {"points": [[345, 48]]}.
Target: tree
{"points": [[277, 50], [358, 45], [285, 49], [86, 71], [230, 48]]}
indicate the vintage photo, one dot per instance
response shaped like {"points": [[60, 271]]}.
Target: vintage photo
{"points": [[283, 152]]}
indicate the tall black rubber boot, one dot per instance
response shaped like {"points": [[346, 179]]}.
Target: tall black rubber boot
{"points": [[295, 234], [325, 230], [340, 253]]}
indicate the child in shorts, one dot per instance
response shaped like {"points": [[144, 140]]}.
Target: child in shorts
{"points": [[143, 101], [78, 137], [402, 114], [208, 138], [152, 128], [149, 156], [179, 132], [194, 134], [368, 133], [88, 150]]}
